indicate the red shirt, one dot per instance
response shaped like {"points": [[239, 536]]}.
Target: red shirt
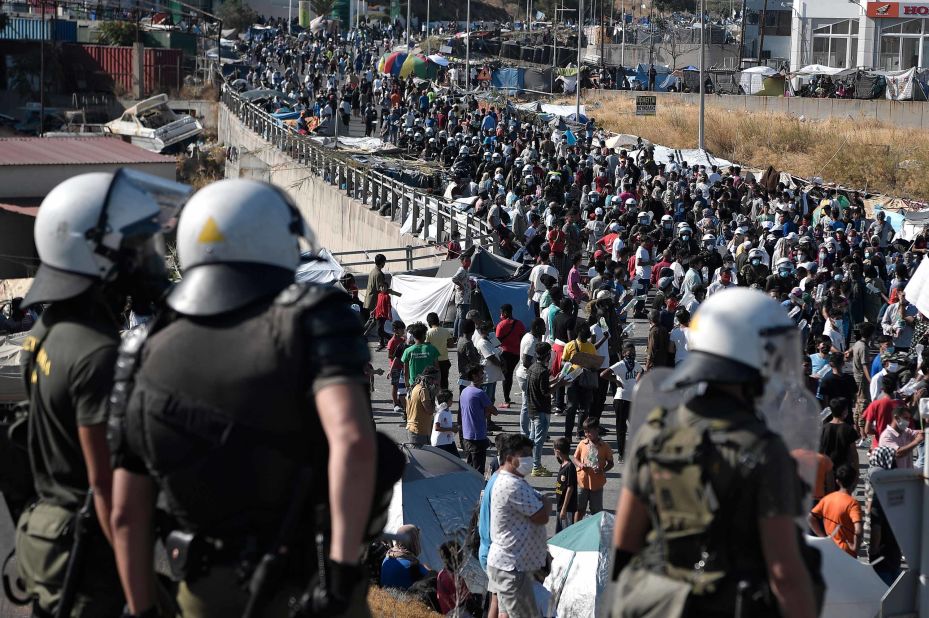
{"points": [[881, 412], [395, 348], [657, 270], [451, 591], [557, 240], [382, 308], [510, 332]]}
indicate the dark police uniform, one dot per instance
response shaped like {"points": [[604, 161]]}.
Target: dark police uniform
{"points": [[769, 487], [69, 359], [222, 417]]}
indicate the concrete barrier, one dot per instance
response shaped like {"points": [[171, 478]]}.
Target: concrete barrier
{"points": [[903, 114]]}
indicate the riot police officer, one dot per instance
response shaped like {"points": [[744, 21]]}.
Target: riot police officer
{"points": [[95, 237], [754, 272], [704, 525], [246, 408]]}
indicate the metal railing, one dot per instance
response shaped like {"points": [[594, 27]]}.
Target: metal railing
{"points": [[375, 190]]}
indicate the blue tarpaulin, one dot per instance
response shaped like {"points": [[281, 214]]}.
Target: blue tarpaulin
{"points": [[496, 294], [661, 73], [508, 79]]}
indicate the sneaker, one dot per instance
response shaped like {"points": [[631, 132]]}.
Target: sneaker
{"points": [[398, 410], [541, 471]]}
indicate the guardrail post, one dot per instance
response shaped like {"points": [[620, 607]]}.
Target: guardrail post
{"points": [[393, 202], [439, 222], [416, 214], [427, 216], [409, 258], [404, 205], [469, 220], [365, 179]]}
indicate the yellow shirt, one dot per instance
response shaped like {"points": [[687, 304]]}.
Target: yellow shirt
{"points": [[438, 337], [574, 346], [419, 411]]}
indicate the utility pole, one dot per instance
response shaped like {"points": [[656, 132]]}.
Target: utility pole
{"points": [[42, 75], [602, 44], [700, 126], [468, 49], [761, 29], [580, 38], [622, 46], [408, 24], [428, 3], [290, 9]]}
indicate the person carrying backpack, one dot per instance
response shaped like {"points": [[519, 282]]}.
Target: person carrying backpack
{"points": [[705, 524]]}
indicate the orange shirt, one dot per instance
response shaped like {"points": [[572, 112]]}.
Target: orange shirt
{"points": [[840, 510], [592, 455]]}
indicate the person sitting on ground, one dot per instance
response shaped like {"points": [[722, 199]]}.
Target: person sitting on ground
{"points": [[401, 568]]}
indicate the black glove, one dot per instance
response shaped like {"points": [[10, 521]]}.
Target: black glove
{"points": [[333, 595]]}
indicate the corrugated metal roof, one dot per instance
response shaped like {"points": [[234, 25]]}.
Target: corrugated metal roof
{"points": [[74, 151]]}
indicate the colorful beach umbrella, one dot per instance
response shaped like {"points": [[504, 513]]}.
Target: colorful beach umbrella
{"points": [[401, 64]]}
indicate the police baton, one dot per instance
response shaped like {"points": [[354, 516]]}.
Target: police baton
{"points": [[82, 522]]}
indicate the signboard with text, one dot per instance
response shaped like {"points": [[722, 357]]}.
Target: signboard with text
{"points": [[879, 10], [645, 105]]}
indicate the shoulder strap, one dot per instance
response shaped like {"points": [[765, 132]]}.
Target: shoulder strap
{"points": [[127, 364]]}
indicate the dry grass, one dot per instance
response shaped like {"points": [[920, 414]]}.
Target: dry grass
{"points": [[200, 171], [861, 154], [385, 605]]}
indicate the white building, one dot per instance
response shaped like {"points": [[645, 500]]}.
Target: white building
{"points": [[889, 35]]}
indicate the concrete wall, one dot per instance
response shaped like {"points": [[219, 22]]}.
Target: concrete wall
{"points": [[904, 114], [340, 222]]}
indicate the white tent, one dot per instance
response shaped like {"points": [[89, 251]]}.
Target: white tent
{"points": [[324, 269], [752, 79], [580, 567], [692, 156], [12, 388], [438, 494]]}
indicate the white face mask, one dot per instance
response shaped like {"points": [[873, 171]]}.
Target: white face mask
{"points": [[525, 466], [902, 424]]}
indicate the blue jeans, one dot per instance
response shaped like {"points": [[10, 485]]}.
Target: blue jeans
{"points": [[920, 456], [491, 389], [538, 434], [461, 312]]}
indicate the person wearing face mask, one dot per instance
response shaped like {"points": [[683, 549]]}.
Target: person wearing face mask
{"points": [[723, 281], [783, 279], [754, 270], [518, 518], [901, 437], [898, 322]]}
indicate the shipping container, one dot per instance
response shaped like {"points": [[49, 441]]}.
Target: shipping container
{"points": [[101, 68], [169, 39], [28, 29]]}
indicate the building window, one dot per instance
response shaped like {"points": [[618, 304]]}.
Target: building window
{"points": [[835, 43], [777, 23], [904, 45]]}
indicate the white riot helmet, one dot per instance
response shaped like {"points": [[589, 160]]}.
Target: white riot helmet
{"points": [[738, 335], [756, 254], [784, 262], [95, 227], [238, 241]]}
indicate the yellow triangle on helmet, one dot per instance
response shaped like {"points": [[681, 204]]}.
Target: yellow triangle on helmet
{"points": [[210, 232]]}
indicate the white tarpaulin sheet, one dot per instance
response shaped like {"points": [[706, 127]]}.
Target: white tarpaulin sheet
{"points": [[368, 144], [692, 156], [917, 290], [899, 84], [326, 269], [752, 80], [420, 297], [556, 110], [821, 69]]}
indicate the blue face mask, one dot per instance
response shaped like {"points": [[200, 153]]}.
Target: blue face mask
{"points": [[784, 273], [890, 349], [838, 278]]}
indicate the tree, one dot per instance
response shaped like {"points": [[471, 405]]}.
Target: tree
{"points": [[322, 7], [237, 14], [119, 33]]}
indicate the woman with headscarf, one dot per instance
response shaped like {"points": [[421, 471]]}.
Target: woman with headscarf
{"points": [[401, 567]]}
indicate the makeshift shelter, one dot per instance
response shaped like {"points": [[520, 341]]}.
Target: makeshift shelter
{"points": [[495, 294], [322, 268], [438, 493], [12, 387], [539, 80], [661, 74], [762, 81], [853, 589], [483, 264], [868, 85], [909, 85], [421, 296], [507, 79], [581, 557], [821, 69], [914, 223], [401, 64]]}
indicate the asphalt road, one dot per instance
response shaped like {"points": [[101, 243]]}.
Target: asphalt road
{"points": [[392, 423]]}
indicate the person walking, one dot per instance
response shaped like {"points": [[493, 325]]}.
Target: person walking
{"points": [[234, 447], [738, 337], [95, 235], [625, 374], [476, 409], [527, 351], [376, 280], [439, 337], [539, 405], [462, 283], [420, 406], [583, 386]]}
